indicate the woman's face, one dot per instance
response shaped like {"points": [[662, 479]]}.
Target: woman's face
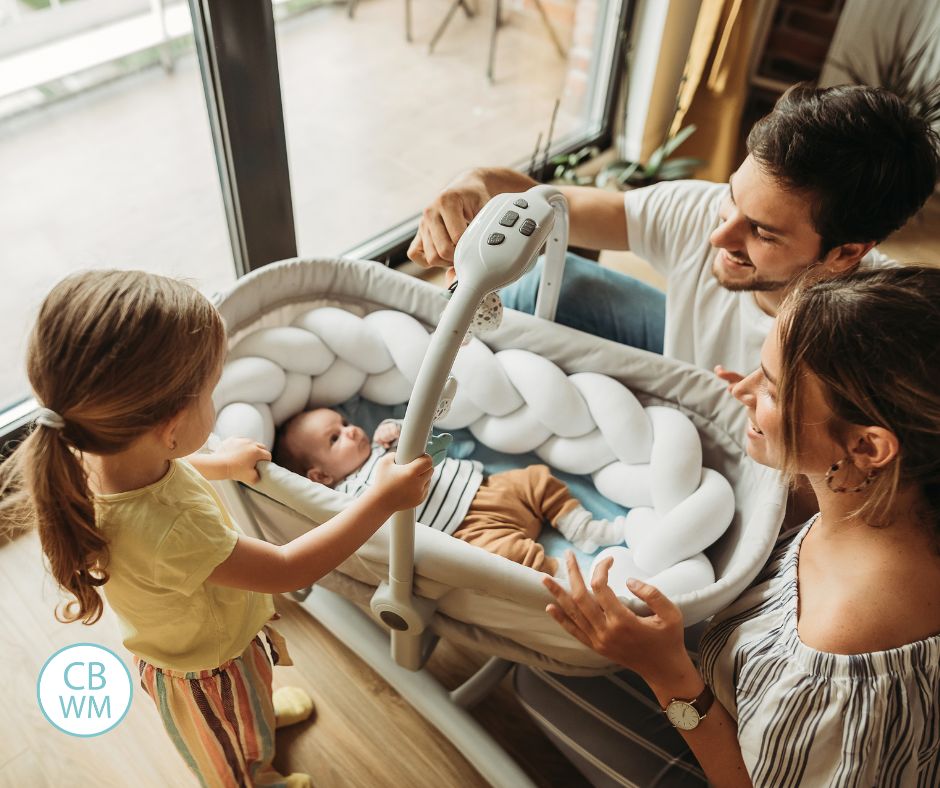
{"points": [[818, 450]]}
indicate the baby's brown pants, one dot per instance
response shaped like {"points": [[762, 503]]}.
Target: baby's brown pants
{"points": [[508, 511]]}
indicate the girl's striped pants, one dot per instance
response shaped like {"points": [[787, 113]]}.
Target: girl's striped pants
{"points": [[222, 720]]}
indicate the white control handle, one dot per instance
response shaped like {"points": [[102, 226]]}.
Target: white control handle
{"points": [[500, 245]]}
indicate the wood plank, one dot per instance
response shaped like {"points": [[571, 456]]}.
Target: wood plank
{"points": [[364, 733]]}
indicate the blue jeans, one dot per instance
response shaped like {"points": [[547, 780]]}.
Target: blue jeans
{"points": [[598, 301]]}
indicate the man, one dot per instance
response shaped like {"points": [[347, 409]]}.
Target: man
{"points": [[829, 173]]}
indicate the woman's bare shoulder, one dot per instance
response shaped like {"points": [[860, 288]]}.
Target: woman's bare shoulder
{"points": [[869, 602]]}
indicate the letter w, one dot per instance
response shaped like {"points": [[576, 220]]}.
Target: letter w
{"points": [[66, 707]]}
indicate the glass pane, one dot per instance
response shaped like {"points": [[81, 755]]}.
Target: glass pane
{"points": [[106, 155], [376, 126]]}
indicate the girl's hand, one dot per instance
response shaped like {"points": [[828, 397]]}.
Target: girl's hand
{"points": [[386, 434], [239, 456], [404, 486], [652, 646]]}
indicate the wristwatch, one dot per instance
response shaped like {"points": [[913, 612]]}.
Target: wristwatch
{"points": [[686, 714]]}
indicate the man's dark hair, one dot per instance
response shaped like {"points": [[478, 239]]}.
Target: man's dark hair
{"points": [[867, 159]]}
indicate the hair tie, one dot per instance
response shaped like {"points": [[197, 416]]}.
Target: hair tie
{"points": [[49, 418]]}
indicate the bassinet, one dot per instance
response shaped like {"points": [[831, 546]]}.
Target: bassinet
{"points": [[483, 601]]}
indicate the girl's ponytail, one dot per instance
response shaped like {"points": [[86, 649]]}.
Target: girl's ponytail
{"points": [[64, 513]]}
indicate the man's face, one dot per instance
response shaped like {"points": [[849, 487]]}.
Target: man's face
{"points": [[765, 234]]}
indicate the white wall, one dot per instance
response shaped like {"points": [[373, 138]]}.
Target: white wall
{"points": [[660, 39], [867, 24]]}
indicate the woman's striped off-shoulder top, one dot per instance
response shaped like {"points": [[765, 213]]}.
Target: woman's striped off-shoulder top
{"points": [[806, 717]]}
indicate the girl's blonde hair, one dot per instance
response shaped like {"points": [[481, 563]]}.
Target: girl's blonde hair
{"points": [[114, 353], [872, 339]]}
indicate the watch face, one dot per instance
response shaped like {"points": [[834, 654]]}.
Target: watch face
{"points": [[683, 715]]}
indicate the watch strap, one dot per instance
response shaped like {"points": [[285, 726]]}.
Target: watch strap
{"points": [[701, 703]]}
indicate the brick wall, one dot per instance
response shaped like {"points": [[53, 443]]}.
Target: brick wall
{"points": [[575, 22], [580, 51], [799, 39]]}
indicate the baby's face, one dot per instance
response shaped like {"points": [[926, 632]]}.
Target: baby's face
{"points": [[333, 444]]}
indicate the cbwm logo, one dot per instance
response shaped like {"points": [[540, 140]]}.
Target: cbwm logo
{"points": [[84, 689]]}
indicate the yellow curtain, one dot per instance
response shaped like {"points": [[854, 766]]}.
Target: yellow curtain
{"points": [[715, 85]]}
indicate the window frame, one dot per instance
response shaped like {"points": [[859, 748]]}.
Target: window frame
{"points": [[237, 51]]}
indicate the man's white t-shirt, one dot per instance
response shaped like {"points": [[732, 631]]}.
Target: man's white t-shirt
{"points": [[668, 225]]}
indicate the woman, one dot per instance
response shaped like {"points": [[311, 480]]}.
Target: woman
{"points": [[826, 671]]}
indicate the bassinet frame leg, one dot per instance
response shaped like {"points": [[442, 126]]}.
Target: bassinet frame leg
{"points": [[425, 694], [481, 683]]}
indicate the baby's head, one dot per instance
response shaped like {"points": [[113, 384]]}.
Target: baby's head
{"points": [[323, 446]]}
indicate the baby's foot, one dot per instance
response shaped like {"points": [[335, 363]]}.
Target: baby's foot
{"points": [[291, 705], [299, 780], [587, 534]]}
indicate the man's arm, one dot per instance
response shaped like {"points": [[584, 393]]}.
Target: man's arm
{"points": [[597, 218]]}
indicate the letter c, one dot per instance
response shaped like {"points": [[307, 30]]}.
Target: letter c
{"points": [[68, 683]]}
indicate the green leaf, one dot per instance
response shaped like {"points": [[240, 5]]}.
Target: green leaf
{"points": [[670, 145], [656, 160], [628, 172], [679, 168]]}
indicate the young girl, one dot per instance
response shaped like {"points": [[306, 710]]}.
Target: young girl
{"points": [[124, 364]]}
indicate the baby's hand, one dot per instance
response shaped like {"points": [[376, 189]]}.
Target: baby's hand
{"points": [[387, 433], [239, 457], [404, 486]]}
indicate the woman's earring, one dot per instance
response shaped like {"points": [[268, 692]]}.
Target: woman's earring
{"points": [[841, 488], [173, 445]]}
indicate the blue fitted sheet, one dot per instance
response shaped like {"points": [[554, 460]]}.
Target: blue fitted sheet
{"points": [[368, 414]]}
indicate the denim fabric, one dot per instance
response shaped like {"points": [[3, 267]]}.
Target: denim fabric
{"points": [[598, 301]]}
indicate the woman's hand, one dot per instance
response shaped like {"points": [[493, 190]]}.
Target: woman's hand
{"points": [[652, 646], [403, 486]]}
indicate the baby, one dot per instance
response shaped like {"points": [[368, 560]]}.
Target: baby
{"points": [[502, 513]]}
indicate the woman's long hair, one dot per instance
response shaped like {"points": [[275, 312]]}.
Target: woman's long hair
{"points": [[872, 339], [115, 354]]}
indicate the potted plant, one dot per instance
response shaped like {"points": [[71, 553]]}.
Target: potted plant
{"points": [[659, 167]]}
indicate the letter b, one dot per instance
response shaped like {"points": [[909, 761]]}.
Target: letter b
{"points": [[93, 674]]}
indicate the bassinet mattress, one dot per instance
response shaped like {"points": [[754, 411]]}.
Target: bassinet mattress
{"points": [[484, 601]]}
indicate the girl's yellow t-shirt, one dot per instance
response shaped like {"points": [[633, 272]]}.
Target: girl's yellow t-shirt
{"points": [[165, 540]]}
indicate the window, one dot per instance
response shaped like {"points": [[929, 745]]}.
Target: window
{"points": [[106, 156], [110, 157], [376, 125]]}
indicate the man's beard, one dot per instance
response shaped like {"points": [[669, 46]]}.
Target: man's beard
{"points": [[754, 284]]}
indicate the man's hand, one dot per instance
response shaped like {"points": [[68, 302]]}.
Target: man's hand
{"points": [[386, 434], [445, 220], [729, 377]]}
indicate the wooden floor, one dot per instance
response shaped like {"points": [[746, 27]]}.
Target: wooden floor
{"points": [[364, 734]]}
